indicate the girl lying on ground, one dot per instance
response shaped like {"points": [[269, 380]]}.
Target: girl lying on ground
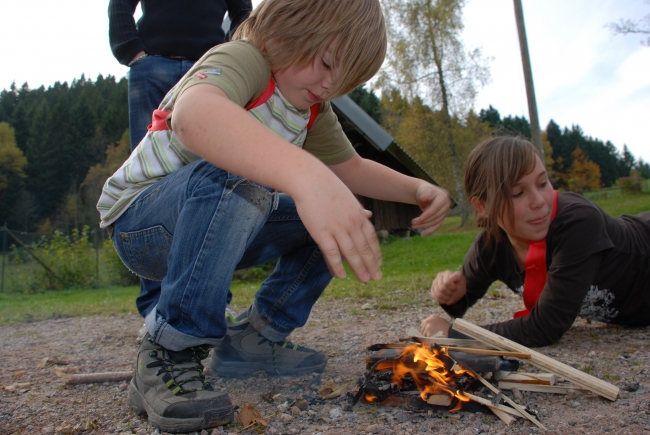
{"points": [[564, 255]]}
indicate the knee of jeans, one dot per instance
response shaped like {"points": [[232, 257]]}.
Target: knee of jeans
{"points": [[145, 251]]}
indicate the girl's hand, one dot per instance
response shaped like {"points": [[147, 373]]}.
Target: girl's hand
{"points": [[434, 202], [433, 325], [448, 287]]}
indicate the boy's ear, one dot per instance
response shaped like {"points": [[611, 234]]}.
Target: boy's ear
{"points": [[479, 206]]}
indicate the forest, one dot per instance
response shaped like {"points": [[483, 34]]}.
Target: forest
{"points": [[59, 144]]}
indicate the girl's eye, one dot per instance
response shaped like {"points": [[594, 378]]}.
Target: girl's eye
{"points": [[544, 184], [326, 65], [517, 194]]}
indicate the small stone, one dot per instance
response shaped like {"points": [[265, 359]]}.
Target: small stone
{"points": [[285, 418], [575, 404], [216, 431], [294, 410], [368, 306], [336, 413]]}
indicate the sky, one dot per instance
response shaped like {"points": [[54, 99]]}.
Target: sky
{"points": [[583, 75]]}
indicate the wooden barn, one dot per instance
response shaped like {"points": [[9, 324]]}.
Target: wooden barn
{"points": [[373, 142]]}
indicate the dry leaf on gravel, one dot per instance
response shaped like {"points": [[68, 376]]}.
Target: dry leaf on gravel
{"points": [[249, 416]]}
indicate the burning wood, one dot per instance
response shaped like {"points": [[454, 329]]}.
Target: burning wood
{"points": [[448, 374], [438, 375]]}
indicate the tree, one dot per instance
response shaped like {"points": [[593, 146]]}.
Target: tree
{"points": [[368, 101], [428, 58], [627, 26], [12, 165], [627, 162], [584, 174]]}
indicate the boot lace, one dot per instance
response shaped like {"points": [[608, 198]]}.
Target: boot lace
{"points": [[274, 344], [182, 371]]}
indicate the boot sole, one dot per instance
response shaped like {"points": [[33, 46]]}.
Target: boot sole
{"points": [[213, 418], [240, 369]]}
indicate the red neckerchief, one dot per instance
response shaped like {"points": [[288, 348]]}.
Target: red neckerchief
{"points": [[535, 270]]}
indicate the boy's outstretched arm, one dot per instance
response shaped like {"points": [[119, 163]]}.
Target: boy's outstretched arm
{"points": [[374, 180], [221, 132]]}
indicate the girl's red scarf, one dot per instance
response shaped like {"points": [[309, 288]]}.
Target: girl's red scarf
{"points": [[535, 270]]}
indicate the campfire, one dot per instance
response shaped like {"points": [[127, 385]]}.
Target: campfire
{"points": [[447, 375], [425, 376]]}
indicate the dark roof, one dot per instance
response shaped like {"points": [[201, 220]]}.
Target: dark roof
{"points": [[372, 141]]}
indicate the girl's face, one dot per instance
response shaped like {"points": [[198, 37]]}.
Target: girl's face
{"points": [[532, 203], [308, 85]]}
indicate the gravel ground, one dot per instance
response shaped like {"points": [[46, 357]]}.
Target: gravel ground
{"points": [[33, 400]]}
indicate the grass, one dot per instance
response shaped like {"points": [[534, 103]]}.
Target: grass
{"points": [[633, 203], [408, 269]]}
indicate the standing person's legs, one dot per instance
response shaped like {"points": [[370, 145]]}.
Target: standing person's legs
{"points": [[149, 81]]}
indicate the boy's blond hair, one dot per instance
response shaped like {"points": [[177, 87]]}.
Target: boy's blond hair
{"points": [[294, 32], [493, 168]]}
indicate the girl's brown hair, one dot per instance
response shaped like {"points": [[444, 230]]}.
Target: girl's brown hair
{"points": [[294, 32], [493, 168]]}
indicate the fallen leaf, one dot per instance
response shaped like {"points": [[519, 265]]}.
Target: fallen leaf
{"points": [[92, 424], [19, 374], [17, 386], [68, 429], [61, 372], [271, 394], [249, 415], [330, 390]]}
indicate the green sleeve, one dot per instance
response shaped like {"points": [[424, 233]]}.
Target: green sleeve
{"points": [[326, 140]]}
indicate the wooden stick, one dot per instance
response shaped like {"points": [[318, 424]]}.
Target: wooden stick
{"points": [[439, 399], [504, 416], [453, 342], [528, 378], [510, 402], [539, 388], [95, 378], [519, 355], [489, 403], [582, 379]]}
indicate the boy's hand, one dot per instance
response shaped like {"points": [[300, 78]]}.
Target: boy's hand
{"points": [[434, 203], [448, 287], [340, 226], [434, 324]]}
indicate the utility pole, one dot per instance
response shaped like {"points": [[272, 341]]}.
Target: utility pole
{"points": [[528, 79]]}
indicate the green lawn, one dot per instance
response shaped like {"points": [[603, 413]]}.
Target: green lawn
{"points": [[408, 269]]}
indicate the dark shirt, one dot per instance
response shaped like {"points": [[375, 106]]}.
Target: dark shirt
{"points": [[598, 267], [171, 28]]}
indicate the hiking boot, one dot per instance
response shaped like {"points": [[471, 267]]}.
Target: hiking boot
{"points": [[244, 351], [171, 389]]}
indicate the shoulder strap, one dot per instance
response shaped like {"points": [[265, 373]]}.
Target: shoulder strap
{"points": [[263, 98], [313, 113], [159, 117]]}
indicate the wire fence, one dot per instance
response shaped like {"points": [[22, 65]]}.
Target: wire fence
{"points": [[34, 262]]}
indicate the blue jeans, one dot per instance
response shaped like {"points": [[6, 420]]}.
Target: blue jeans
{"points": [[196, 226], [149, 81]]}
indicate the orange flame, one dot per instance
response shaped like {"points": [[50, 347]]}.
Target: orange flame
{"points": [[428, 371]]}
